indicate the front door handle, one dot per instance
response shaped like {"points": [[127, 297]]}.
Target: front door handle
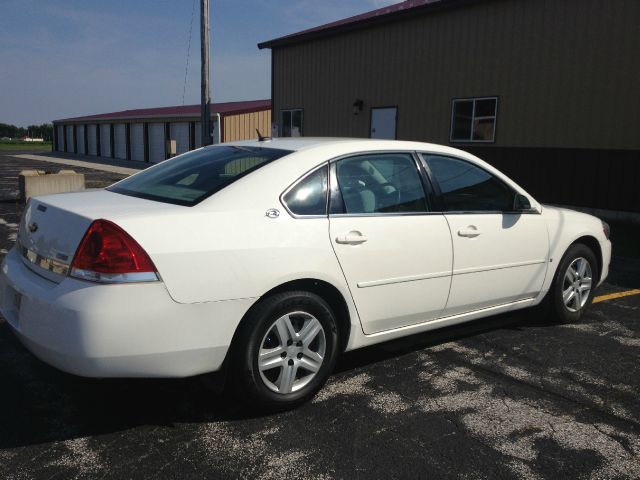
{"points": [[352, 238], [471, 231]]}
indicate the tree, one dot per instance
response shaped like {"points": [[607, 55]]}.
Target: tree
{"points": [[44, 131]]}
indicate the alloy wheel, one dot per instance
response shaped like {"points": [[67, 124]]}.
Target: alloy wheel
{"points": [[291, 352], [577, 283]]}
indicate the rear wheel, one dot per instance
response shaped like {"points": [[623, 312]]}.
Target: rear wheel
{"points": [[573, 286], [286, 350]]}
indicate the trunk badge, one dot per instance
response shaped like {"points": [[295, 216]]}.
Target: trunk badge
{"points": [[272, 213], [33, 227]]}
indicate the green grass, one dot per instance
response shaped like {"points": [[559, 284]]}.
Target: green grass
{"points": [[16, 146]]}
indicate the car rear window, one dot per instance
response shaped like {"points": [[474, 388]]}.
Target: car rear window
{"points": [[194, 176]]}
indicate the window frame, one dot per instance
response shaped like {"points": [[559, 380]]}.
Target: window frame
{"points": [[440, 197], [301, 178], [291, 110], [473, 119], [335, 196]]}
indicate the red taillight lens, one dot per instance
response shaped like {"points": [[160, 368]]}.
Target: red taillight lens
{"points": [[109, 254]]}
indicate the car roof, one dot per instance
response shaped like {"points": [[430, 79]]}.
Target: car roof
{"points": [[356, 144], [309, 152]]}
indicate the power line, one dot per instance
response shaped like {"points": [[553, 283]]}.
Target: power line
{"points": [[186, 68]]}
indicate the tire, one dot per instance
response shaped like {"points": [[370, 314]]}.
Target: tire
{"points": [[275, 330], [570, 308]]}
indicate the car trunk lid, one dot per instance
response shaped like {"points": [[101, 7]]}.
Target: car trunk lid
{"points": [[53, 226]]}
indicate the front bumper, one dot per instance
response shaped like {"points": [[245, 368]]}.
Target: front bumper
{"points": [[131, 330]]}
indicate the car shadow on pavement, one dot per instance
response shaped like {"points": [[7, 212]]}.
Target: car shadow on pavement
{"points": [[420, 341], [40, 404]]}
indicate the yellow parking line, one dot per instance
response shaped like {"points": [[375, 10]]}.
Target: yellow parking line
{"points": [[611, 296]]}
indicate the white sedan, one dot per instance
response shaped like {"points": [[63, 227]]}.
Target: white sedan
{"points": [[267, 259]]}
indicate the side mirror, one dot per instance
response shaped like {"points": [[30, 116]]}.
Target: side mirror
{"points": [[521, 204]]}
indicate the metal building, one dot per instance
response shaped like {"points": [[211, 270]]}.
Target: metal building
{"points": [[548, 91], [142, 135]]}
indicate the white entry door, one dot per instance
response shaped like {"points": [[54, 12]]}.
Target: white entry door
{"points": [[383, 122]]}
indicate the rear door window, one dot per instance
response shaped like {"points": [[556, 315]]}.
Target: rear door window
{"points": [[190, 178]]}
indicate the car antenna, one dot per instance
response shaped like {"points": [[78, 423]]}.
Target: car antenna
{"points": [[261, 138]]}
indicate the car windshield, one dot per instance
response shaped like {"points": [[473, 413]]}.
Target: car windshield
{"points": [[194, 176]]}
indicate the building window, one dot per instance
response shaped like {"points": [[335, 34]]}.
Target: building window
{"points": [[474, 119], [292, 123]]}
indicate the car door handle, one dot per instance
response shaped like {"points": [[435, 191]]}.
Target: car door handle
{"points": [[471, 232], [351, 238]]}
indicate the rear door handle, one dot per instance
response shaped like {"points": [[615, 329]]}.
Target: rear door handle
{"points": [[471, 231], [352, 238]]}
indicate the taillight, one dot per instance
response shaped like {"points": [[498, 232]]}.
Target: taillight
{"points": [[108, 254]]}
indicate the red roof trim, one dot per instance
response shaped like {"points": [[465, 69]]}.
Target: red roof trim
{"points": [[374, 17], [224, 109]]}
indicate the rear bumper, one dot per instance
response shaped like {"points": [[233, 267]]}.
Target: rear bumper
{"points": [[133, 330]]}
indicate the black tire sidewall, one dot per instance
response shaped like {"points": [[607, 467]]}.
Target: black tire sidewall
{"points": [[562, 314], [261, 319]]}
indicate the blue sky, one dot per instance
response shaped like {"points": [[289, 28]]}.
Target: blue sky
{"points": [[62, 58]]}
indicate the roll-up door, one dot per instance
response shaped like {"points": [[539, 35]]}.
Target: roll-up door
{"points": [[60, 138], [156, 142], [120, 141], [105, 140], [91, 140], [80, 139], [180, 133], [70, 138], [137, 142], [198, 139]]}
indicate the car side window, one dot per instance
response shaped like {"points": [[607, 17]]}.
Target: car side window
{"points": [[309, 195], [380, 183], [466, 187]]}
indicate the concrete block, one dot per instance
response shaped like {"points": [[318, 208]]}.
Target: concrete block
{"points": [[33, 183]]}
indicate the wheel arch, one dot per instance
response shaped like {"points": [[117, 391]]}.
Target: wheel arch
{"points": [[325, 290], [593, 244]]}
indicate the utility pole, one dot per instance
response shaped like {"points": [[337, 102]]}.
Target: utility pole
{"points": [[205, 90]]}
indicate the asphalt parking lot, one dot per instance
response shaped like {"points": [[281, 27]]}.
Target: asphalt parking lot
{"points": [[506, 397]]}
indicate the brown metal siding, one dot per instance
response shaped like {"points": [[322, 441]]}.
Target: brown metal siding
{"points": [[565, 72], [243, 126], [582, 177]]}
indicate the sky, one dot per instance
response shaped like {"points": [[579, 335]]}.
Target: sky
{"points": [[66, 58]]}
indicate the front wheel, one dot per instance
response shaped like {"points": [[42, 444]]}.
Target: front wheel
{"points": [[573, 286], [286, 349]]}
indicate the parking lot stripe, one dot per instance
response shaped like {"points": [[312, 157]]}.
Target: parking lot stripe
{"points": [[611, 296]]}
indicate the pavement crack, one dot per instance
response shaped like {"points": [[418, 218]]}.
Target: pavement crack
{"points": [[626, 448]]}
